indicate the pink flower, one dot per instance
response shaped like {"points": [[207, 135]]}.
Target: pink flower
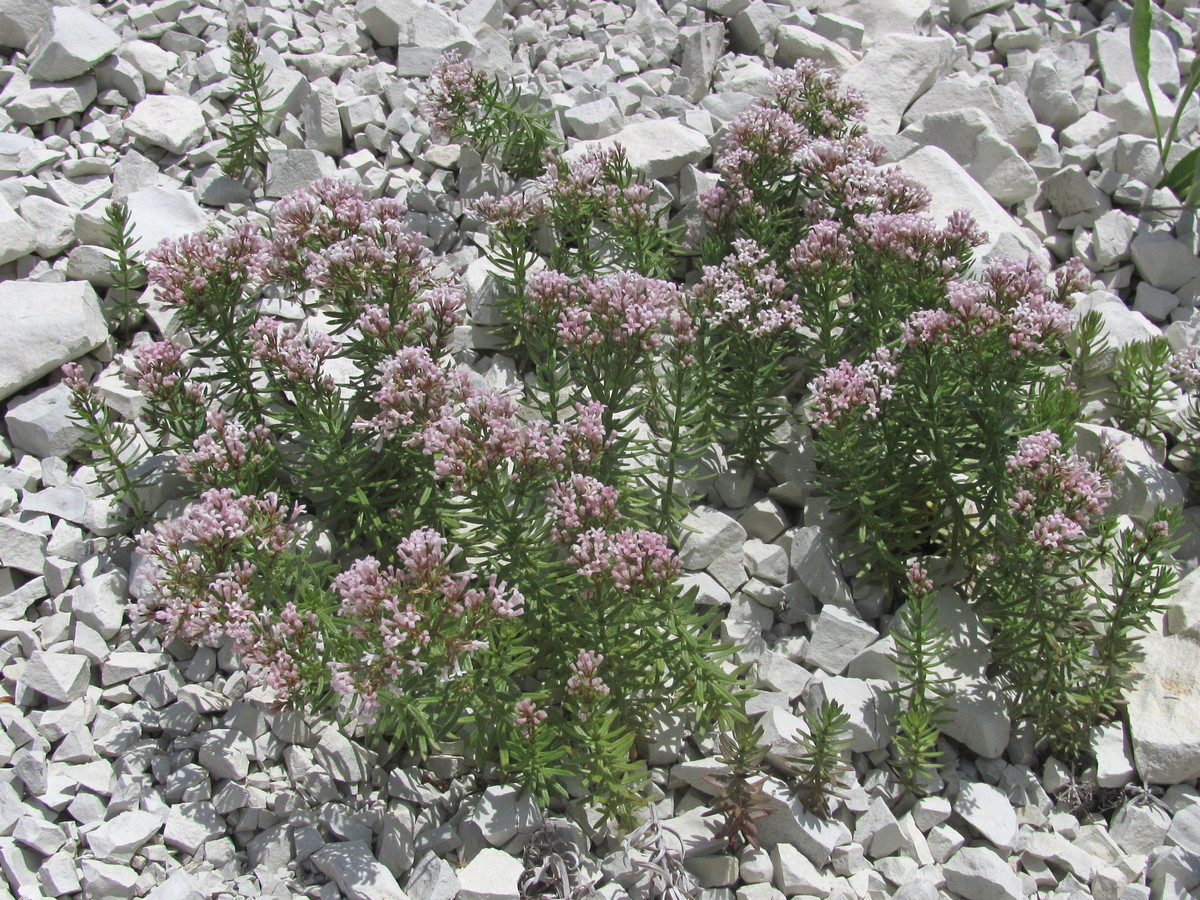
{"points": [[580, 502], [451, 96], [1059, 493], [528, 717], [225, 450], [629, 560], [918, 579], [421, 612], [747, 294], [844, 388], [585, 685], [296, 356], [200, 269]]}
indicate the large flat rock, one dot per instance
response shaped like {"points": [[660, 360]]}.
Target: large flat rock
{"points": [[45, 325]]}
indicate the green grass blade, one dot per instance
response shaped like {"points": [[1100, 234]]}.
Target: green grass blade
{"points": [[1185, 94], [1139, 43], [1184, 177]]}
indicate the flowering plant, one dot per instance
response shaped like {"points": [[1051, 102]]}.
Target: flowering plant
{"points": [[463, 103], [485, 578]]}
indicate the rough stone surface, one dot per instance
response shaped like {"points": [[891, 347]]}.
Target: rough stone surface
{"points": [[658, 149], [168, 121], [72, 41], [357, 873], [1164, 710]]}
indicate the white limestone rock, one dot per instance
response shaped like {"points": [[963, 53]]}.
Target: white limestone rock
{"points": [[968, 136], [41, 422], [53, 224], [123, 835], [893, 73], [414, 23], [1139, 828], [17, 239], [500, 813], [1119, 326], [38, 103], [358, 874], [1110, 746], [46, 325], [778, 673], [977, 873], [432, 879], [159, 213], [794, 874], [838, 636], [289, 171], [658, 148], [979, 718], [1164, 261], [100, 603], [71, 43], [1164, 710], [813, 562], [791, 823], [870, 705], [1116, 59], [1003, 106], [958, 190], [491, 875], [596, 119], [703, 46], [21, 21], [988, 812], [708, 534], [173, 122], [155, 64], [794, 42], [61, 677]]}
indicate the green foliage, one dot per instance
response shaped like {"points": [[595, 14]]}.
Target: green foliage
{"points": [[922, 647], [126, 267], [502, 124], [245, 150], [1142, 376], [821, 760], [111, 443], [1183, 178], [740, 800]]}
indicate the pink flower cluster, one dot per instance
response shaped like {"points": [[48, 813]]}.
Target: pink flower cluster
{"points": [[420, 612], [918, 579], [472, 432], [293, 355], [617, 316], [331, 237], [227, 448], [812, 96], [1058, 493], [183, 270], [158, 368], [529, 717], [1185, 367], [629, 560], [280, 649], [916, 239], [746, 293], [1012, 302], [580, 502], [202, 588], [453, 92], [511, 211], [585, 685], [845, 387], [824, 249]]}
